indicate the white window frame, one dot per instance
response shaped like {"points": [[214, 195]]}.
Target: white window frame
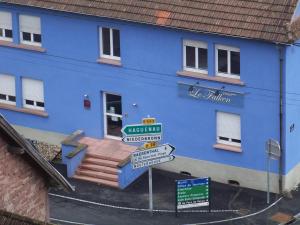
{"points": [[35, 106], [196, 45], [10, 91], [230, 139], [111, 56], [31, 42], [228, 49], [105, 114], [7, 27]]}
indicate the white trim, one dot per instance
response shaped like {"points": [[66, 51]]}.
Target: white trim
{"points": [[111, 56], [32, 42], [105, 114], [228, 49], [196, 45]]}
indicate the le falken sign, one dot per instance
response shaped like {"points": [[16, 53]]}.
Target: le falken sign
{"points": [[211, 94]]}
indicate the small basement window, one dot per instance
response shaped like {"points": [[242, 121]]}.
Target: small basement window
{"points": [[6, 33], [195, 56], [33, 94], [7, 89], [228, 61], [228, 129], [30, 30]]}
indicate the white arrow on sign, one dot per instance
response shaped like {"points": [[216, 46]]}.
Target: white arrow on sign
{"points": [[152, 153], [152, 162]]}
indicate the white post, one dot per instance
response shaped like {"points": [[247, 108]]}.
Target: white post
{"points": [[150, 190]]}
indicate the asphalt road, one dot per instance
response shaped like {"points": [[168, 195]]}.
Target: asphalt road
{"points": [[223, 197]]}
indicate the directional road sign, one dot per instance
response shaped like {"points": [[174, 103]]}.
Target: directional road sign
{"points": [[192, 193], [142, 138], [152, 162], [142, 129], [151, 153]]}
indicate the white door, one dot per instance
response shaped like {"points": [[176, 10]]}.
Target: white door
{"points": [[112, 116]]}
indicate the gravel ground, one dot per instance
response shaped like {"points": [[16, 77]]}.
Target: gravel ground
{"points": [[49, 151]]}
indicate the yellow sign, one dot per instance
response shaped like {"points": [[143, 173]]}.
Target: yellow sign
{"points": [[150, 145], [148, 121]]}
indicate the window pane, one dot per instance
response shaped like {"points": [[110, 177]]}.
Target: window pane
{"points": [[2, 97], [202, 58], [114, 126], [222, 61], [40, 104], [29, 102], [106, 41], [37, 38], [12, 98], [26, 36], [8, 33], [116, 41], [235, 63], [190, 56], [1, 32], [114, 104]]}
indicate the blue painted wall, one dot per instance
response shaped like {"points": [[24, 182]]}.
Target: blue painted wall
{"points": [[151, 56], [292, 107]]}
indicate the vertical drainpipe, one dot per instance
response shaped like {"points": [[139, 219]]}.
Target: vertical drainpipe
{"points": [[281, 159]]}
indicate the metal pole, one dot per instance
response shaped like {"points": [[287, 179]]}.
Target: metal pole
{"points": [[268, 174], [150, 190], [176, 199]]}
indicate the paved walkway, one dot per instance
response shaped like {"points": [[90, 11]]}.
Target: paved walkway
{"points": [[136, 196]]}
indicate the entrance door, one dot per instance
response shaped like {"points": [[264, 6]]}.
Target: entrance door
{"points": [[112, 116]]}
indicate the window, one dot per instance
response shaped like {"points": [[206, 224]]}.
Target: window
{"points": [[33, 94], [110, 43], [228, 61], [6, 26], [30, 30], [7, 89], [228, 129], [195, 56]]}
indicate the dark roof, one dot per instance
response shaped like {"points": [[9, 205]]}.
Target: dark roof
{"points": [[32, 152], [255, 19], [7, 218]]}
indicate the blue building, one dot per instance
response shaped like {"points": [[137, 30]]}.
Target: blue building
{"points": [[222, 79]]}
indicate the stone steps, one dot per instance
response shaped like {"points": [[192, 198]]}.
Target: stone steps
{"points": [[97, 174], [97, 180], [103, 169]]}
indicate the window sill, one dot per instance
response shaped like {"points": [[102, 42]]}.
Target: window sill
{"points": [[228, 147], [22, 46], [211, 78], [24, 110], [113, 62]]}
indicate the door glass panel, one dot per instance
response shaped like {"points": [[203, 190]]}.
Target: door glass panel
{"points": [[113, 104], [114, 126]]}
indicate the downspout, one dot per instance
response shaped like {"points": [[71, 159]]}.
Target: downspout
{"points": [[281, 158]]}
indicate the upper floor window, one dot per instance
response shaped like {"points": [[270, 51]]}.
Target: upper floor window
{"points": [[228, 61], [6, 26], [7, 89], [195, 56], [30, 30], [110, 43], [33, 94], [228, 129]]}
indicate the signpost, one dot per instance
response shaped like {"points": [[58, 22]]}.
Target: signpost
{"points": [[192, 193], [274, 152], [150, 154]]}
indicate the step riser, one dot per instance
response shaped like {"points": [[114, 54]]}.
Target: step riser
{"points": [[110, 184], [103, 157], [99, 163], [102, 170], [87, 174]]}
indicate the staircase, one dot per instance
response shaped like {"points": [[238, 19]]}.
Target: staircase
{"points": [[102, 161]]}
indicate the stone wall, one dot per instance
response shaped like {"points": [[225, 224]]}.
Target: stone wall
{"points": [[23, 190]]}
